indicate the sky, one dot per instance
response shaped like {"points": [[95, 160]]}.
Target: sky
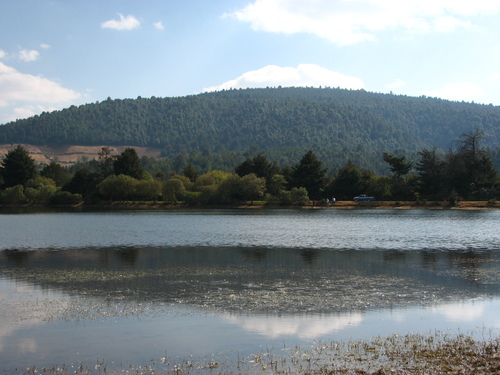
{"points": [[58, 53]]}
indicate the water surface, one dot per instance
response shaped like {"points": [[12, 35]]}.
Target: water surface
{"points": [[140, 287]]}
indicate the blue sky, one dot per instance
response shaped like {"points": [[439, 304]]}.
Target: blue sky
{"points": [[57, 53]]}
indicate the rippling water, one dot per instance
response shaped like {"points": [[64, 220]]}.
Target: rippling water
{"points": [[315, 229], [133, 287]]}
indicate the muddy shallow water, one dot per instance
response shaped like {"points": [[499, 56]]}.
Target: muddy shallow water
{"points": [[122, 288]]}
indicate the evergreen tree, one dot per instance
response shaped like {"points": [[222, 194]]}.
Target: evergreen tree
{"points": [[347, 182], [17, 167], [431, 174], [56, 172], [470, 169], [398, 165], [129, 164], [309, 175], [260, 166], [401, 187], [84, 182], [106, 162], [190, 172]]}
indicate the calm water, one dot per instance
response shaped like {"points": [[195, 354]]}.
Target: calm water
{"points": [[146, 287]]}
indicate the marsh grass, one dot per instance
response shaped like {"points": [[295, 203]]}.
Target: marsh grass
{"points": [[436, 353]]}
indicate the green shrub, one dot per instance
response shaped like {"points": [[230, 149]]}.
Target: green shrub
{"points": [[65, 197], [13, 195]]}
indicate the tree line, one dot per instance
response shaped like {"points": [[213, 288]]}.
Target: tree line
{"points": [[466, 172], [283, 123]]}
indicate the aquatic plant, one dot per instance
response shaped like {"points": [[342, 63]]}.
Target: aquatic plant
{"points": [[436, 353]]}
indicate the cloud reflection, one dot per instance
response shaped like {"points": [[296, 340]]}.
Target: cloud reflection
{"points": [[22, 308], [304, 327], [461, 311]]}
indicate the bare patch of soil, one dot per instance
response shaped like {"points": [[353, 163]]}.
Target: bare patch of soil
{"points": [[71, 154]]}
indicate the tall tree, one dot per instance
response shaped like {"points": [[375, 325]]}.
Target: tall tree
{"points": [[56, 172], [309, 175], [83, 182], [401, 187], [17, 167], [347, 182], [106, 160], [129, 164], [431, 173], [260, 166], [398, 165], [470, 168], [190, 172]]}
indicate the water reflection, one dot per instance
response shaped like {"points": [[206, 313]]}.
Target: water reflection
{"points": [[261, 280], [141, 284], [296, 326]]}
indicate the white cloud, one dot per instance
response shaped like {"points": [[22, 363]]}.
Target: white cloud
{"points": [[45, 46], [461, 91], [124, 23], [302, 75], [29, 55], [353, 21], [158, 25], [2, 54], [25, 94]]}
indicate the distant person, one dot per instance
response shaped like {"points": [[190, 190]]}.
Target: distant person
{"points": [[327, 202], [333, 201]]}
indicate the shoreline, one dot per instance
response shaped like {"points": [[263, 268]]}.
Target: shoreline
{"points": [[345, 205]]}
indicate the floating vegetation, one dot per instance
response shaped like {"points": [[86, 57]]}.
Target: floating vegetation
{"points": [[409, 354], [98, 293]]}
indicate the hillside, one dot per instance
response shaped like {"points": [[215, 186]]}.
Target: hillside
{"points": [[280, 122]]}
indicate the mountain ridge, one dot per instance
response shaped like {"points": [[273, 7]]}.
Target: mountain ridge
{"points": [[281, 122]]}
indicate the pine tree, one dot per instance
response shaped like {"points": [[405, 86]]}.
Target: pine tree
{"points": [[17, 167], [309, 175], [128, 163]]}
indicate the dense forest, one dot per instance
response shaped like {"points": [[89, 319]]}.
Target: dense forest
{"points": [[280, 123], [464, 172]]}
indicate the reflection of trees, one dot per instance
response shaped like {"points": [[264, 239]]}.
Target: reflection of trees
{"points": [[394, 256], [255, 254], [429, 258], [470, 263], [129, 256], [16, 257], [260, 279], [309, 256]]}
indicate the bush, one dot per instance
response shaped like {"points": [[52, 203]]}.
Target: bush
{"points": [[39, 195], [65, 197], [121, 187], [13, 195], [148, 190], [296, 197], [173, 190], [193, 197]]}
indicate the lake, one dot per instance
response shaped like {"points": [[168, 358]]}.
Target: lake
{"points": [[117, 290]]}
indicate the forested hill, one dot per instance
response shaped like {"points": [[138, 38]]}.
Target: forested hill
{"points": [[279, 121]]}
